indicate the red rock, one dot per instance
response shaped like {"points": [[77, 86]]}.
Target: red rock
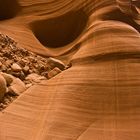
{"points": [[54, 72], [9, 78], [17, 87], [35, 78], [56, 63], [15, 67]]}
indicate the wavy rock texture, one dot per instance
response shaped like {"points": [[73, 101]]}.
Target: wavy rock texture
{"points": [[98, 97]]}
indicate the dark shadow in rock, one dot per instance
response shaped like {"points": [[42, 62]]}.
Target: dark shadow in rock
{"points": [[119, 16], [60, 31], [8, 9], [136, 3]]}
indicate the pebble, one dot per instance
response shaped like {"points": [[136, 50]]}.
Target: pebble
{"points": [[15, 67], [17, 87], [26, 69], [22, 62]]}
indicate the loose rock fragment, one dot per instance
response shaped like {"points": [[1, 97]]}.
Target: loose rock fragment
{"points": [[26, 69], [2, 106], [35, 78], [9, 78], [3, 68], [56, 63], [54, 72], [15, 67], [17, 87]]}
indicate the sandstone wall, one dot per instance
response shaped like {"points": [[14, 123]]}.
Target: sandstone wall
{"points": [[98, 97]]}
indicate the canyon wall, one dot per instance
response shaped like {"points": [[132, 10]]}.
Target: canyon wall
{"points": [[98, 97]]}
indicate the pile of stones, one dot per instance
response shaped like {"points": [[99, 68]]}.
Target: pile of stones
{"points": [[20, 69]]}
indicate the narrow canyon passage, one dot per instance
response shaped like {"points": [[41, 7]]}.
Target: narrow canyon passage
{"points": [[98, 97]]}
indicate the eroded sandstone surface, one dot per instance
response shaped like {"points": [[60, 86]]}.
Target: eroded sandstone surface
{"points": [[97, 98]]}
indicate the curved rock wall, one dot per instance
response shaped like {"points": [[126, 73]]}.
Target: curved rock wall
{"points": [[98, 97]]}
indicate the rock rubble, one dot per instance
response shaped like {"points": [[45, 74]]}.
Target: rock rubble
{"points": [[20, 69]]}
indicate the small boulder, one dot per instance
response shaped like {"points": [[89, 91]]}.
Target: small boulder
{"points": [[9, 78], [15, 67], [17, 87], [35, 78], [56, 63]]}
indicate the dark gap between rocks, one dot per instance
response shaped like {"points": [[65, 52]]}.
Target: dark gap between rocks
{"points": [[60, 31]]}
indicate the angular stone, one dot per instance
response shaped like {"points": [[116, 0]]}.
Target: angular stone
{"points": [[26, 69], [17, 87], [54, 72], [56, 63], [9, 78], [0, 64], [35, 78], [15, 67]]}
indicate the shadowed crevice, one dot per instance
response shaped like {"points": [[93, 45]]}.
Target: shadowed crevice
{"points": [[119, 16], [60, 31], [8, 9]]}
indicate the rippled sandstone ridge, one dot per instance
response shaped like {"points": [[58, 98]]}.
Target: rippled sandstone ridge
{"points": [[98, 97]]}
